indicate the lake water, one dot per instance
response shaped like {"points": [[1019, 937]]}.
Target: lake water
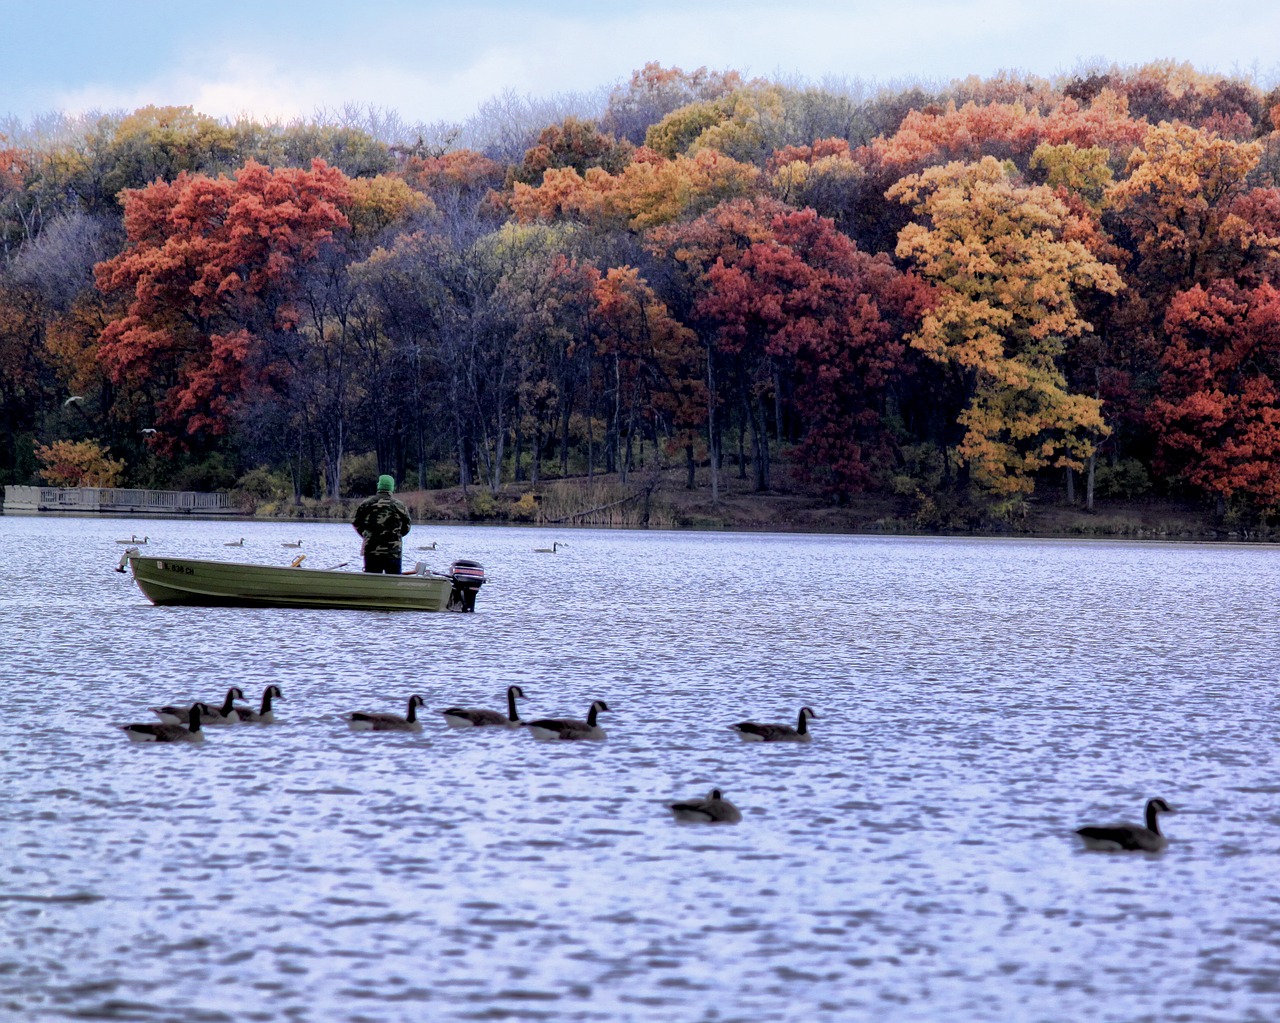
{"points": [[977, 700]]}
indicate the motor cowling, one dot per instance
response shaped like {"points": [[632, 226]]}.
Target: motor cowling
{"points": [[468, 577]]}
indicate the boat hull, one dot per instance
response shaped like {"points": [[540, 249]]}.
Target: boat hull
{"points": [[201, 583]]}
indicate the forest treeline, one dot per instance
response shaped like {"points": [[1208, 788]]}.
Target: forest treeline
{"points": [[962, 297]]}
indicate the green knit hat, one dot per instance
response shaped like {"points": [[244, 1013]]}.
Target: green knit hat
{"points": [[386, 483]]}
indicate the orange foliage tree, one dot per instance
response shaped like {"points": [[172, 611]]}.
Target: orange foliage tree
{"points": [[209, 272]]}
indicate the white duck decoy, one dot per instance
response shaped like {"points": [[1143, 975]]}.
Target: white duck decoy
{"points": [[135, 541], [715, 809], [266, 715], [550, 550], [1129, 837], [234, 543], [168, 731], [363, 721], [227, 714], [750, 731], [472, 717], [569, 728], [297, 544]]}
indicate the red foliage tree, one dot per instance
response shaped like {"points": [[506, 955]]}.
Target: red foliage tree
{"points": [[1218, 414], [210, 269], [837, 316]]}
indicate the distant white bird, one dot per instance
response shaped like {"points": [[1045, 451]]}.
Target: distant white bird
{"points": [[148, 429], [550, 550], [73, 398], [234, 543]]}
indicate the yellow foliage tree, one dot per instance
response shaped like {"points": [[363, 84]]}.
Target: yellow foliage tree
{"points": [[379, 202], [1177, 202], [79, 463], [1005, 274], [649, 191]]}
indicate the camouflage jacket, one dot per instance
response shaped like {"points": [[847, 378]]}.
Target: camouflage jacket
{"points": [[382, 521]]}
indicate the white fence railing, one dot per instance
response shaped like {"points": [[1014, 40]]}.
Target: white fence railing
{"points": [[113, 499]]}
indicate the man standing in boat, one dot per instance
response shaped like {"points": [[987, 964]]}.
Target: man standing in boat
{"points": [[382, 521]]}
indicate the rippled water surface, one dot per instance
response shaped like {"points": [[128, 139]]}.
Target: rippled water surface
{"points": [[976, 701]]}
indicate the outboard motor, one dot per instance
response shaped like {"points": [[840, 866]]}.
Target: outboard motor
{"points": [[468, 577]]}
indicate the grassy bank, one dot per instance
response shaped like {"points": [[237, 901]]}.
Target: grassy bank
{"points": [[661, 501]]}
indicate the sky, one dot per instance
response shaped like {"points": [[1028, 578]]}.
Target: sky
{"points": [[434, 62]]}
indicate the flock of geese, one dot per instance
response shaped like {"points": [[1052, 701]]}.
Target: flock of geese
{"points": [[183, 723]]}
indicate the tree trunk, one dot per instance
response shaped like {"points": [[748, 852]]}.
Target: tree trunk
{"points": [[1071, 486], [1088, 483], [711, 433]]}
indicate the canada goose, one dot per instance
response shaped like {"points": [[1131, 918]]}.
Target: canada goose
{"points": [[550, 550], [168, 731], [568, 728], [298, 544], [266, 715], [361, 721], [715, 809], [234, 543], [464, 717], [749, 731], [224, 715], [134, 540], [1113, 837], [428, 546]]}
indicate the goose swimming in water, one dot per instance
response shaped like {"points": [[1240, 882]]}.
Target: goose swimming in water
{"points": [[428, 546], [134, 540], [298, 544], [715, 809], [234, 543], [1129, 837], [467, 717], [749, 731], [224, 715], [167, 731], [569, 728], [266, 715], [362, 721], [550, 550]]}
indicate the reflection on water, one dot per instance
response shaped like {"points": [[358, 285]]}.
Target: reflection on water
{"points": [[976, 701]]}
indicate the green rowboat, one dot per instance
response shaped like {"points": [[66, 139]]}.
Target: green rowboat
{"points": [[229, 584]]}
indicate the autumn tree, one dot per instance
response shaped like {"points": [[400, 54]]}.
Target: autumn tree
{"points": [[1006, 279], [573, 143], [208, 269], [1217, 413], [655, 91], [1176, 207], [82, 463], [834, 318], [655, 363]]}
